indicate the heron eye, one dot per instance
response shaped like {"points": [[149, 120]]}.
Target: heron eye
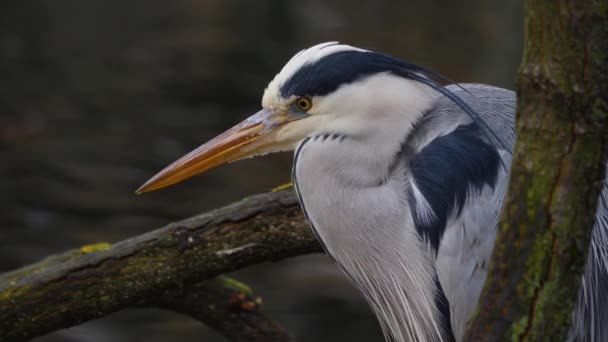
{"points": [[304, 103]]}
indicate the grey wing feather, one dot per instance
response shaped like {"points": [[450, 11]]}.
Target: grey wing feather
{"points": [[465, 250], [590, 318], [466, 246], [468, 240]]}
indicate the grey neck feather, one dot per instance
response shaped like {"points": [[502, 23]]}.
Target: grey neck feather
{"points": [[371, 235]]}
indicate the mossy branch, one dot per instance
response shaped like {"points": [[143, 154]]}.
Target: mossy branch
{"points": [[165, 268]]}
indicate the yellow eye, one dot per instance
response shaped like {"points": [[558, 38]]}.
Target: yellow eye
{"points": [[304, 103]]}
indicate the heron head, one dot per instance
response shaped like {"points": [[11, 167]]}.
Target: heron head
{"points": [[329, 88]]}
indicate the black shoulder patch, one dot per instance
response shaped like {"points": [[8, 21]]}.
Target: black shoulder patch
{"points": [[441, 301], [446, 172]]}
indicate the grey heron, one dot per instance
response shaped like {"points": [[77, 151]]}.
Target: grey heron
{"points": [[402, 181]]}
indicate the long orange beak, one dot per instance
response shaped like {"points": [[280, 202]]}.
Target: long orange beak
{"points": [[241, 141]]}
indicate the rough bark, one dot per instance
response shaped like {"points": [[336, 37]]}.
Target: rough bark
{"points": [[557, 171], [225, 305], [162, 268]]}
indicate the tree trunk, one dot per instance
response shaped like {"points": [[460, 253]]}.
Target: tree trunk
{"points": [[557, 172]]}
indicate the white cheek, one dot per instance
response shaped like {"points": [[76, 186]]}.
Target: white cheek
{"points": [[300, 129], [376, 97]]}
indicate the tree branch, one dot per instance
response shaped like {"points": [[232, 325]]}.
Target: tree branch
{"points": [[74, 287], [227, 306]]}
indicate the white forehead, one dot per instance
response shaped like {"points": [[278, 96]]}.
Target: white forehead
{"points": [[272, 94]]}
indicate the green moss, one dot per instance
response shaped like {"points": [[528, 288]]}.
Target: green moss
{"points": [[101, 246], [233, 284], [518, 328], [282, 186], [13, 291]]}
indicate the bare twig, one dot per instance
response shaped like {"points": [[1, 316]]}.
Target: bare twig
{"points": [[226, 305]]}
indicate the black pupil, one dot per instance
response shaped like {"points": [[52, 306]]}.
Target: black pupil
{"points": [[303, 103]]}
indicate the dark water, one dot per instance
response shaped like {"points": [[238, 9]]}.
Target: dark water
{"points": [[96, 96]]}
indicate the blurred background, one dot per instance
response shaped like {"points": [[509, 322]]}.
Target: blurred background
{"points": [[96, 96]]}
